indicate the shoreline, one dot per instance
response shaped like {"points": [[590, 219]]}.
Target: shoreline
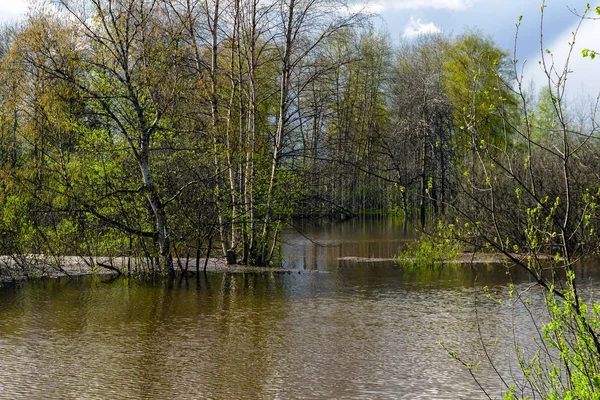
{"points": [[35, 266], [464, 258]]}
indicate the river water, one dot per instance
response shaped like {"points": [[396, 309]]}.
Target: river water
{"points": [[340, 329]]}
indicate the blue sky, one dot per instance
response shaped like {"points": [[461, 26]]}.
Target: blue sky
{"points": [[496, 18], [404, 19]]}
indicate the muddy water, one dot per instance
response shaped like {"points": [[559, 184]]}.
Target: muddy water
{"points": [[350, 330]]}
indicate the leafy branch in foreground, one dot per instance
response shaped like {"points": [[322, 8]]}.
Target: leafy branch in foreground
{"points": [[589, 52], [545, 227]]}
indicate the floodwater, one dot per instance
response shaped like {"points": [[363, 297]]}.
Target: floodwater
{"points": [[341, 329]]}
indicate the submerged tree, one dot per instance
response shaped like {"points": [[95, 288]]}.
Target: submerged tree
{"points": [[115, 66], [422, 128]]}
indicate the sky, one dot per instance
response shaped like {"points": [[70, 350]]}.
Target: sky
{"points": [[11, 10], [405, 19]]}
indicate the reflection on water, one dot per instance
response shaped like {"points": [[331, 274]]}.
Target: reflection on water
{"points": [[321, 246], [353, 330]]}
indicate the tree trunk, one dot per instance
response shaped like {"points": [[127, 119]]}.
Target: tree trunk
{"points": [[162, 226], [251, 145], [281, 126], [423, 181]]}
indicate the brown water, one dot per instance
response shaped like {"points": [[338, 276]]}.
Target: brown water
{"points": [[349, 331]]}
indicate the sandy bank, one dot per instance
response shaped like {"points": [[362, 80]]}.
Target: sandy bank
{"points": [[36, 265]]}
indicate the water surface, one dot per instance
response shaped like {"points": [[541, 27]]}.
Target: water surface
{"points": [[348, 331]]}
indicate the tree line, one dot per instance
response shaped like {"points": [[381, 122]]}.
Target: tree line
{"points": [[157, 129]]}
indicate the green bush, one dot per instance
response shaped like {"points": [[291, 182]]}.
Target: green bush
{"points": [[433, 249]]}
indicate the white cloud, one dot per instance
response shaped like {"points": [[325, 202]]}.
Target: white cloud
{"points": [[416, 27], [369, 8], [11, 10], [378, 6], [583, 80]]}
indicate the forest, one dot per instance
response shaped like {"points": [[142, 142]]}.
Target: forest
{"points": [[162, 129]]}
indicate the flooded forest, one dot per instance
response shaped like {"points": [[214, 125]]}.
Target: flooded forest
{"points": [[287, 134], [169, 129]]}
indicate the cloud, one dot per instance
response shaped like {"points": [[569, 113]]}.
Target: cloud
{"points": [[12, 10], [369, 8], [378, 6], [416, 27], [582, 81]]}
